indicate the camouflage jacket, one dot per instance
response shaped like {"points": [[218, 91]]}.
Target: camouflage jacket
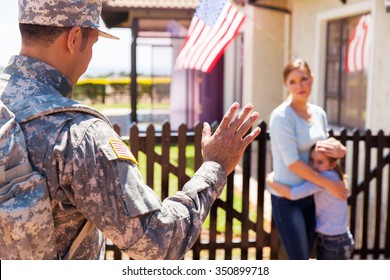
{"points": [[89, 179]]}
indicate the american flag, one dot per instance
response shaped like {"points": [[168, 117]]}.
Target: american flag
{"points": [[121, 150], [358, 46], [214, 25]]}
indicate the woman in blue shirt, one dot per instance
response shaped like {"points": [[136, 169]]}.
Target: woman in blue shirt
{"points": [[295, 126]]}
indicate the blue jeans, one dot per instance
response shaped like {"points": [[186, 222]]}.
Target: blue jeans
{"points": [[334, 247], [295, 221]]}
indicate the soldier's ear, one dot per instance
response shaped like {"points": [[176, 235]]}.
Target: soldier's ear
{"points": [[74, 39]]}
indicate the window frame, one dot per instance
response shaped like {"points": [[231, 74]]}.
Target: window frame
{"points": [[345, 11], [350, 87]]}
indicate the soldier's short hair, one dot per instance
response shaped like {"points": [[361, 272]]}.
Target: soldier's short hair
{"points": [[46, 35], [39, 33]]}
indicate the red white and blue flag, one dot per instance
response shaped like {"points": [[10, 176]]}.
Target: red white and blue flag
{"points": [[214, 25], [359, 46], [121, 150]]}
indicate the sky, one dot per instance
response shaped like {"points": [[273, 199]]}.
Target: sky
{"points": [[108, 55]]}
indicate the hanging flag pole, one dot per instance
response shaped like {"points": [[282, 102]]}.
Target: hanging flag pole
{"points": [[214, 25]]}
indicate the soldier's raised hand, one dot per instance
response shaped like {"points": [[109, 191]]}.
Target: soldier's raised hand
{"points": [[229, 141]]}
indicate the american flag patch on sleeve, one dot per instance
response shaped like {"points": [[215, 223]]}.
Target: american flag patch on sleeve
{"points": [[121, 150]]}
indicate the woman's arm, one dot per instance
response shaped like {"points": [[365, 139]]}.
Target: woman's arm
{"points": [[282, 189], [300, 191], [338, 189]]}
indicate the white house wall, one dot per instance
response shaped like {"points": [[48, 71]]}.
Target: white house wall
{"points": [[265, 42], [378, 113]]}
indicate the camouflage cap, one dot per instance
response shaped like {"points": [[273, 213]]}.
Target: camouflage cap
{"points": [[62, 13]]}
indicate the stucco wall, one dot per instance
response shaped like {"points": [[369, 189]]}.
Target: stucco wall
{"points": [[265, 43], [378, 113]]}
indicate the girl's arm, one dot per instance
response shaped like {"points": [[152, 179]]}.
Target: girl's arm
{"points": [[338, 189], [300, 191], [282, 189]]}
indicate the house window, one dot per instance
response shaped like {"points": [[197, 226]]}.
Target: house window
{"points": [[345, 90]]}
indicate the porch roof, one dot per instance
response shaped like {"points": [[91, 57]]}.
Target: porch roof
{"points": [[154, 15]]}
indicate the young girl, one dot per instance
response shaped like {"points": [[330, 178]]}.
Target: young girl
{"points": [[334, 240]]}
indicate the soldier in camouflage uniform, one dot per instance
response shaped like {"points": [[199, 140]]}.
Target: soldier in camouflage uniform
{"points": [[90, 173]]}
